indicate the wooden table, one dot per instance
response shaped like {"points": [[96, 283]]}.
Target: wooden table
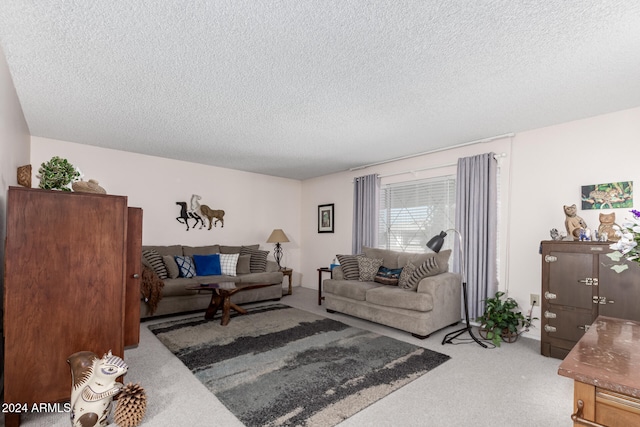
{"points": [[605, 367], [221, 298], [289, 273], [320, 271]]}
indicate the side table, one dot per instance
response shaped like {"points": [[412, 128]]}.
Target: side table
{"points": [[289, 273], [320, 271]]}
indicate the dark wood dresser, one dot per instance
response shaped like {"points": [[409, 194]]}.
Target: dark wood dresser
{"points": [[71, 283], [578, 285]]}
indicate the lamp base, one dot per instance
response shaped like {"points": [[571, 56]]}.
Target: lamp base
{"points": [[448, 339]]}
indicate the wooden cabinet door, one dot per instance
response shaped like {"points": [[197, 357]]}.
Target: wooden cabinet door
{"points": [[64, 287], [134, 272], [619, 293]]}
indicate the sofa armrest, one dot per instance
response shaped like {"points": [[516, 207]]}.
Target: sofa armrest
{"points": [[431, 285]]}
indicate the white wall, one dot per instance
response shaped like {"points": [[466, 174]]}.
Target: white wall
{"points": [[544, 169], [254, 204]]}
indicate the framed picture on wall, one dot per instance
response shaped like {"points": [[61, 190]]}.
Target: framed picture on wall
{"points": [[325, 218]]}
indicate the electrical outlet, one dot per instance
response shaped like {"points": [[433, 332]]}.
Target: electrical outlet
{"points": [[535, 299]]}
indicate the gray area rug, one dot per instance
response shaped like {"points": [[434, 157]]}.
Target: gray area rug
{"points": [[280, 366]]}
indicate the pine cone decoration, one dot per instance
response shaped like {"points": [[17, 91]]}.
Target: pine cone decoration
{"points": [[132, 404]]}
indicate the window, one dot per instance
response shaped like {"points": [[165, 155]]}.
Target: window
{"points": [[413, 212]]}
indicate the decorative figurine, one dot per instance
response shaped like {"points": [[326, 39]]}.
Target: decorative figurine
{"points": [[93, 387], [606, 230], [556, 235], [573, 222]]}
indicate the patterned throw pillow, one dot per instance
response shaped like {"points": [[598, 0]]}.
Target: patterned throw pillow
{"points": [[428, 268], [388, 276], [228, 263], [172, 267], [349, 264], [368, 268], [154, 259], [407, 272], [258, 261], [186, 266]]}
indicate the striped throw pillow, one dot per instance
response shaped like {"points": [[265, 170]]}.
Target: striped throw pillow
{"points": [[154, 259], [349, 265], [258, 261], [405, 274], [428, 268]]}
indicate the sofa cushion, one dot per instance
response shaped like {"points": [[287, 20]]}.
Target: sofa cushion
{"points": [[236, 249], [389, 257], [200, 250], [417, 259], [154, 260], [228, 263], [172, 267], [258, 261], [368, 268], [274, 277], [349, 288], [243, 266], [186, 266], [166, 250], [207, 265], [407, 272], [388, 276], [349, 265], [392, 296], [426, 269]]}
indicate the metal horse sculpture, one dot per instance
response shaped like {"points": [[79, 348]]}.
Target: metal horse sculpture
{"points": [[184, 216], [207, 212], [193, 213], [94, 385]]}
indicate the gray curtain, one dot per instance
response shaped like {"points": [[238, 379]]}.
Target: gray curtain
{"points": [[366, 203], [476, 219]]}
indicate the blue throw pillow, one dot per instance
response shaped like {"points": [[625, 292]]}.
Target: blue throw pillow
{"points": [[388, 276], [208, 265], [185, 266]]}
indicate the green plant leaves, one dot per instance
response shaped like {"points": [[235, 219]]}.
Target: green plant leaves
{"points": [[57, 174]]}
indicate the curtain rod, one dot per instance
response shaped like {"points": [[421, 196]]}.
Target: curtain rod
{"points": [[495, 156], [478, 141]]}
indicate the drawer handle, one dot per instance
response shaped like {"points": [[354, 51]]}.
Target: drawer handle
{"points": [[549, 315], [584, 327], [549, 328], [577, 417], [549, 295], [550, 258], [136, 276]]}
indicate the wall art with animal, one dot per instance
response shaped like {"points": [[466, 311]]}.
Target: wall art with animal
{"points": [[615, 195], [197, 213]]}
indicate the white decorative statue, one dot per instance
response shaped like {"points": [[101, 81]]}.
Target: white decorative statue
{"points": [[93, 387]]}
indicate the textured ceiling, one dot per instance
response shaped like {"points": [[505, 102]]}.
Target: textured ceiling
{"points": [[304, 88]]}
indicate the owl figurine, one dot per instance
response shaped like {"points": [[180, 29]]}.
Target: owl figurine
{"points": [[93, 387]]}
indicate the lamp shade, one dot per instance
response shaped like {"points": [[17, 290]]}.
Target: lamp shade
{"points": [[277, 236], [436, 242]]}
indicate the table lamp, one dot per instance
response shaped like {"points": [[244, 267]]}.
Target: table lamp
{"points": [[277, 237]]}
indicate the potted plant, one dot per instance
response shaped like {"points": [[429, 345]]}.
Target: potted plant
{"points": [[501, 320], [57, 174]]}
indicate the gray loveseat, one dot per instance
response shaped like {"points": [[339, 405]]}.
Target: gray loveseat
{"points": [[426, 299], [162, 296]]}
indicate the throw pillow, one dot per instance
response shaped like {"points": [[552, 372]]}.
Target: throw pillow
{"points": [[207, 265], [388, 276], [428, 268], [349, 264], [228, 263], [368, 268], [172, 267], [407, 271], [186, 266], [243, 266], [154, 259], [258, 261]]}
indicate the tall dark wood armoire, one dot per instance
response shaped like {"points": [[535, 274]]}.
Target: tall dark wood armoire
{"points": [[72, 265], [578, 285]]}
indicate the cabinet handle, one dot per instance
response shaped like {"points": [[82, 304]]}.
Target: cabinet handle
{"points": [[549, 315], [549, 295], [584, 327], [549, 328], [136, 276], [550, 258], [589, 281], [577, 417]]}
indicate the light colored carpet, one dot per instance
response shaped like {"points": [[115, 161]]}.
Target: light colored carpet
{"points": [[508, 386]]}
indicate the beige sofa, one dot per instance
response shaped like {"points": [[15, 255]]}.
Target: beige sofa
{"points": [[173, 297], [435, 302]]}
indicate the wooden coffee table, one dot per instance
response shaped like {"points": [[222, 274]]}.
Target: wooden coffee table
{"points": [[221, 297]]}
